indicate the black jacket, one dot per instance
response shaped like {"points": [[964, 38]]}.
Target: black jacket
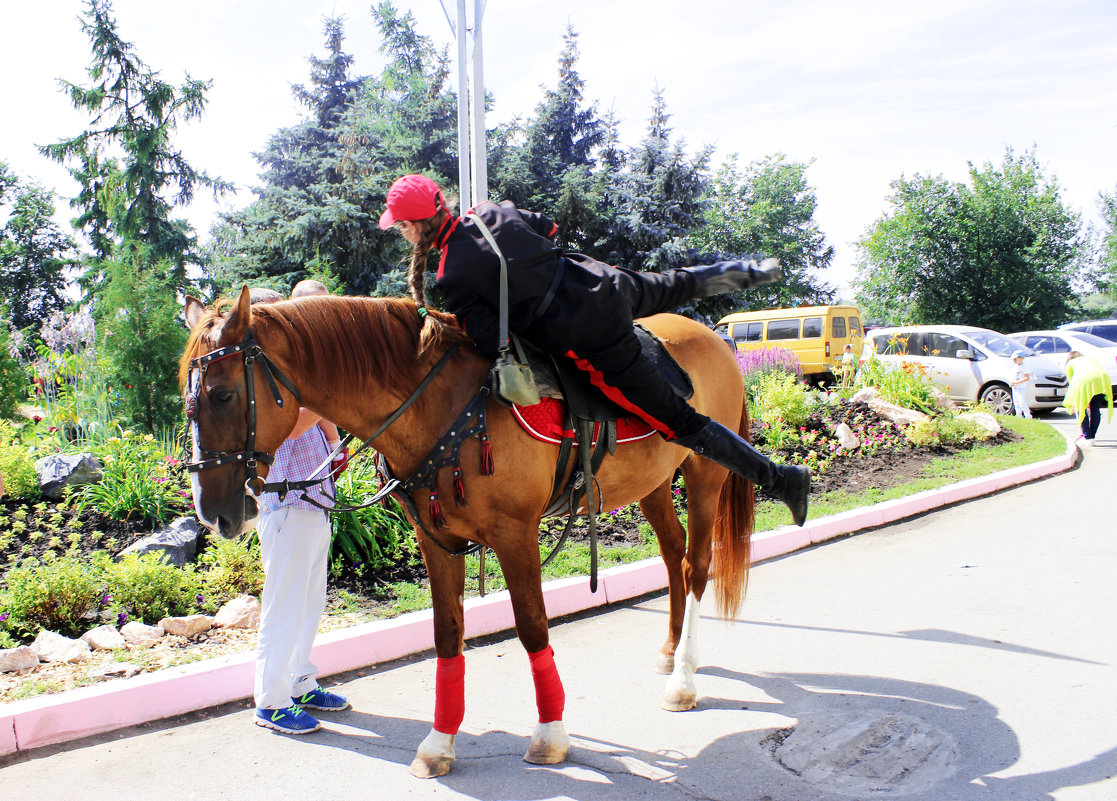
{"points": [[469, 270]]}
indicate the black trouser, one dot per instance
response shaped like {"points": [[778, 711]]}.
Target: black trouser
{"points": [[1091, 417], [590, 321]]}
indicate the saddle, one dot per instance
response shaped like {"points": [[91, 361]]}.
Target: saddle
{"points": [[591, 426]]}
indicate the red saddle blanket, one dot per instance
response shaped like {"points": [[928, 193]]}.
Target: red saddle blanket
{"points": [[545, 420]]}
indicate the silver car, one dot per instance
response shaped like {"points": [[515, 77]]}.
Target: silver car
{"points": [[969, 364], [1057, 344]]}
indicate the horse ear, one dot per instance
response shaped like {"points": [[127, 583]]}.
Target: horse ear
{"points": [[239, 319], [194, 311]]}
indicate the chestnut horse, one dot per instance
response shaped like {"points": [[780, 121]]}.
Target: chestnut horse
{"points": [[355, 361]]}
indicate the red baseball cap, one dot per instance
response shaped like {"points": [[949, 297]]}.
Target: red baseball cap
{"points": [[412, 197]]}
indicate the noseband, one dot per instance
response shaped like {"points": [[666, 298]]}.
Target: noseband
{"points": [[251, 353]]}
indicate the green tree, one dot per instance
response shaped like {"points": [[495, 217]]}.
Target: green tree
{"points": [[768, 209], [126, 199], [1106, 278], [552, 168], [142, 338], [655, 200], [325, 181], [34, 253], [1001, 252]]}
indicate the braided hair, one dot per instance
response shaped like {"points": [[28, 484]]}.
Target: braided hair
{"points": [[416, 271]]}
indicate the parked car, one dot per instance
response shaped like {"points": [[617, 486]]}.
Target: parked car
{"points": [[968, 364], [1058, 344], [1106, 329]]}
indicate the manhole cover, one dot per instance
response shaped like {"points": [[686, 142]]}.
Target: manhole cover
{"points": [[864, 752]]}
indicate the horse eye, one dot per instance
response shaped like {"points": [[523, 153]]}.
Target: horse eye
{"points": [[221, 397]]}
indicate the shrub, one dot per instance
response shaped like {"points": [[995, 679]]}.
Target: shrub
{"points": [[908, 386], [229, 568], [148, 588], [755, 364], [781, 400], [56, 594], [139, 481], [17, 469], [943, 430], [372, 538]]}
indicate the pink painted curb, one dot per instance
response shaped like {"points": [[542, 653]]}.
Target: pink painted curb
{"points": [[92, 710]]}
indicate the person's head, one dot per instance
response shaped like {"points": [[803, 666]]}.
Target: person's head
{"points": [[418, 211], [1018, 357], [847, 348], [261, 294], [1074, 354], [309, 288]]}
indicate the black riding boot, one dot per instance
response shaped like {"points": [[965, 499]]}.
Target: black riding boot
{"points": [[729, 276], [789, 483]]}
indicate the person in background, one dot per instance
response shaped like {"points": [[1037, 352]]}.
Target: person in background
{"points": [[1088, 391], [1019, 384], [847, 365], [294, 548], [573, 306]]}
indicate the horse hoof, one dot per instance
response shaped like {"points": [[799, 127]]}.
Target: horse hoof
{"points": [[665, 664], [435, 756], [549, 744], [680, 696]]}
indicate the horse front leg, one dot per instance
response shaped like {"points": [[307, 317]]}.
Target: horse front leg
{"points": [[549, 742], [435, 755]]}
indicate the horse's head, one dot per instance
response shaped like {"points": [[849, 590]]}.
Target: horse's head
{"points": [[240, 410]]}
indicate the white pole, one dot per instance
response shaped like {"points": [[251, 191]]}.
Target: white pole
{"points": [[479, 151], [463, 116]]}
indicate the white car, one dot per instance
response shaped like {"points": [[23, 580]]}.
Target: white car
{"points": [[968, 364], [1057, 344]]}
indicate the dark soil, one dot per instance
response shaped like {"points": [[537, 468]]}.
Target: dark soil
{"points": [[34, 528]]}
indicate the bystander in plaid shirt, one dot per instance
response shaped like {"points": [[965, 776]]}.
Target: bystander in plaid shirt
{"points": [[294, 461]]}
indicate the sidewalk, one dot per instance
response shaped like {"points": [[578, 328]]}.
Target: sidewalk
{"points": [[92, 710]]}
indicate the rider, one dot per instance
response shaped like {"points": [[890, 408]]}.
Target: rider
{"points": [[571, 305]]}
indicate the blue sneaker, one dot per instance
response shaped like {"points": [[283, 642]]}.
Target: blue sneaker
{"points": [[289, 721], [321, 699]]}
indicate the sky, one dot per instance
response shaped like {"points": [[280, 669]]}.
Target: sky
{"points": [[866, 91]]}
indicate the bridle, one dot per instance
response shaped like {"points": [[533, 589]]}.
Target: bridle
{"points": [[251, 353]]}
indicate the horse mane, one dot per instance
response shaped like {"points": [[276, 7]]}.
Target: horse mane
{"points": [[348, 339]]}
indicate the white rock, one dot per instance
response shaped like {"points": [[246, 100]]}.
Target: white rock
{"points": [[897, 414], [942, 400], [52, 647], [846, 438], [19, 658], [104, 638], [983, 420], [188, 626], [865, 394], [141, 635], [243, 612]]}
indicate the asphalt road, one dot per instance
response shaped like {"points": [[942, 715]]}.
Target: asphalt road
{"points": [[965, 655]]}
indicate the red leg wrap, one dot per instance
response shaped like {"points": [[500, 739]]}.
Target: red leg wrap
{"points": [[550, 698], [449, 694]]}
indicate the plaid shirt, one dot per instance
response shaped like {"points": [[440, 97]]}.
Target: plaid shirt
{"points": [[294, 460]]}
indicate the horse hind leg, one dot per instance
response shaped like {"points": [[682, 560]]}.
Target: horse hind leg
{"points": [[681, 693]]}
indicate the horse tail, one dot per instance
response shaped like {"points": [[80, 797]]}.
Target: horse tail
{"points": [[733, 526]]}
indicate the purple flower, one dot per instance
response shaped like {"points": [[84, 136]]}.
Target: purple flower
{"points": [[3, 616], [121, 618], [105, 599], [200, 598]]}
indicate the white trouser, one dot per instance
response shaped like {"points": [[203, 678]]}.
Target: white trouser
{"points": [[1020, 401], [294, 546]]}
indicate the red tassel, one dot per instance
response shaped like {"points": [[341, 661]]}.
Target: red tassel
{"points": [[435, 510], [459, 487], [487, 466]]}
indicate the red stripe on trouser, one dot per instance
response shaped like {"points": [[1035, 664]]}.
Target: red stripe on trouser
{"points": [[449, 694], [550, 698], [597, 378]]}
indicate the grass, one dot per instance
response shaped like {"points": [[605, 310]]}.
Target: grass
{"points": [[1041, 441]]}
